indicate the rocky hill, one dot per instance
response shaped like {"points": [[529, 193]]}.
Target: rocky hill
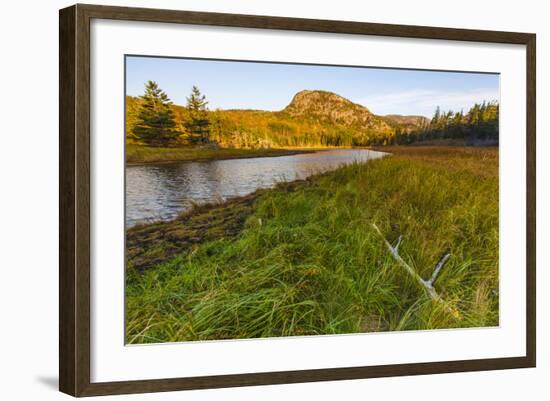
{"points": [[328, 107]]}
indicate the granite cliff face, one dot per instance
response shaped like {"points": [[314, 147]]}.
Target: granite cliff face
{"points": [[328, 107]]}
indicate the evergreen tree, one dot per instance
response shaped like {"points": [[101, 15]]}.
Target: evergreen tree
{"points": [[198, 125], [436, 120], [155, 120], [480, 123]]}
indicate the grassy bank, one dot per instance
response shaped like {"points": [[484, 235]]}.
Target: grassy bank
{"points": [[303, 259], [136, 154]]}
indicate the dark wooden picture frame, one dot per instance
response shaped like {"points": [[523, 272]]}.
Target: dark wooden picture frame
{"points": [[74, 203]]}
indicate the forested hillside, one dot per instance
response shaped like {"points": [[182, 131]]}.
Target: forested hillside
{"points": [[312, 119]]}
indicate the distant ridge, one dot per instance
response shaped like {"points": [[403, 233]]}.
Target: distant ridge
{"points": [[406, 122]]}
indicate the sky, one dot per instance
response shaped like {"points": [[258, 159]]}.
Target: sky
{"points": [[271, 86]]}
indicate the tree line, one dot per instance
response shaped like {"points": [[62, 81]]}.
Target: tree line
{"points": [[479, 125]]}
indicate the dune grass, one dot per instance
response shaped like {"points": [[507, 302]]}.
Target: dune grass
{"points": [[138, 154], [306, 260]]}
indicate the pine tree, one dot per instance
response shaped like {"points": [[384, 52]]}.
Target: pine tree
{"points": [[480, 123], [155, 121], [436, 118], [198, 125]]}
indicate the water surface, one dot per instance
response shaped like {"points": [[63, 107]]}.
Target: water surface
{"points": [[162, 191]]}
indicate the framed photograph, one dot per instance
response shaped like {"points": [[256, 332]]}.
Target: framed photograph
{"points": [[249, 200]]}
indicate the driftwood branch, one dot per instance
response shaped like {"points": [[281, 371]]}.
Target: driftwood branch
{"points": [[394, 250], [427, 285], [396, 247], [437, 269]]}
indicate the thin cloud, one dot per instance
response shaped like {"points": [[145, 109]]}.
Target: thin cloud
{"points": [[424, 102]]}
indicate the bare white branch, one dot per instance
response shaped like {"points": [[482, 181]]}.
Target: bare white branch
{"points": [[394, 252], [396, 247], [437, 269], [426, 285]]}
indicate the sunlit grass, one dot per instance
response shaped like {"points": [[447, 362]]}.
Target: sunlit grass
{"points": [[307, 260], [137, 154]]}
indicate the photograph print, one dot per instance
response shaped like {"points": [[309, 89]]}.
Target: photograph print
{"points": [[268, 199]]}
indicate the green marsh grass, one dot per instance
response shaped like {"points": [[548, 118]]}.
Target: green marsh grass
{"points": [[306, 261]]}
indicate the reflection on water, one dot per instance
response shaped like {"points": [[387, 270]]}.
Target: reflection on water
{"points": [[162, 191]]}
